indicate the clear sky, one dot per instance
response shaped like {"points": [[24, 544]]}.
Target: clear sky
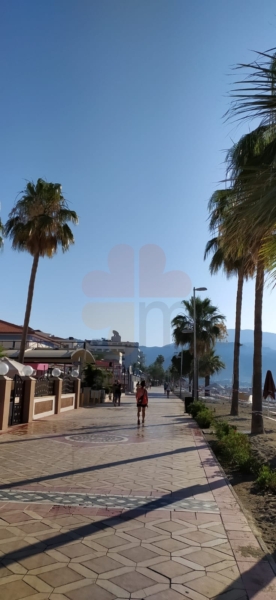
{"points": [[122, 102]]}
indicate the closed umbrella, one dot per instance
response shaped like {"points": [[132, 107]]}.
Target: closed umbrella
{"points": [[15, 368], [269, 386]]}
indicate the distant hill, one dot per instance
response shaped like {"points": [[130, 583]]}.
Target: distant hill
{"points": [[247, 335], [225, 351]]}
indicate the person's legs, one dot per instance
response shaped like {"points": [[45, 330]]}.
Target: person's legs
{"points": [[138, 414], [143, 413]]}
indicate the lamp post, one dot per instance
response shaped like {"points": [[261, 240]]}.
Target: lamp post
{"points": [[199, 289], [181, 367], [181, 362]]}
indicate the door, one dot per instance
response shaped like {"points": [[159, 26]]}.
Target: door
{"points": [[16, 401]]}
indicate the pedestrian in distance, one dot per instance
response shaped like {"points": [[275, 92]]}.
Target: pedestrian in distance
{"points": [[142, 402], [165, 388], [119, 393], [168, 390], [116, 392]]}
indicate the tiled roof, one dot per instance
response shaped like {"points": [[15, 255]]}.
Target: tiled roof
{"points": [[6, 327]]}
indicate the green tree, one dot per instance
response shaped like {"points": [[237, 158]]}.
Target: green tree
{"points": [[209, 364], [156, 370], [246, 161], [237, 262], [38, 224], [93, 376], [187, 364], [208, 321], [160, 359]]}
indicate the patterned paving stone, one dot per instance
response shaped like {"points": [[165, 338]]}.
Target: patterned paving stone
{"points": [[102, 564], [207, 586], [132, 582], [92, 508], [75, 550], [58, 577], [171, 569], [116, 501], [170, 545], [110, 541], [138, 554], [37, 561], [16, 590], [90, 592], [144, 534], [166, 595]]}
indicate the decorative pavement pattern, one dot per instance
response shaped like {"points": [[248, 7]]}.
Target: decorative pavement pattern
{"points": [[108, 501], [177, 532]]}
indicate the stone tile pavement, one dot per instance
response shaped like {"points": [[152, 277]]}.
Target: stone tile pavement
{"points": [[94, 508]]}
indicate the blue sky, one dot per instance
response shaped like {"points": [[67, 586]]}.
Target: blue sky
{"points": [[122, 102]]}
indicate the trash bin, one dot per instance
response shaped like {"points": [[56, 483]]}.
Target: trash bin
{"points": [[188, 400]]}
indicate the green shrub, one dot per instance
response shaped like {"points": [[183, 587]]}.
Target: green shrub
{"points": [[266, 478], [235, 450], [195, 407], [223, 428], [204, 418]]}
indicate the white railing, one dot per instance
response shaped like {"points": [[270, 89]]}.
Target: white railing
{"points": [[269, 405]]}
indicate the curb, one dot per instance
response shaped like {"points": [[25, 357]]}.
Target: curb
{"points": [[247, 514]]}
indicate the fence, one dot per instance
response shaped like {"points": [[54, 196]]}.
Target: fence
{"points": [[245, 398], [67, 385], [44, 387]]}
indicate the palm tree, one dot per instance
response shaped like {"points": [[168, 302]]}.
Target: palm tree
{"points": [[232, 263], [187, 364], [1, 235], [209, 364], [38, 224], [208, 320], [246, 161]]}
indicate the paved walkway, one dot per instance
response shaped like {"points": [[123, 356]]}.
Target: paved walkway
{"points": [[94, 508]]}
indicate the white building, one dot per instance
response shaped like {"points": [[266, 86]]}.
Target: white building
{"points": [[130, 350]]}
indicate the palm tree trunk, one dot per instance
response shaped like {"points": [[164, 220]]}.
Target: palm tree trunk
{"points": [[257, 403], [207, 383], [28, 309], [236, 360]]}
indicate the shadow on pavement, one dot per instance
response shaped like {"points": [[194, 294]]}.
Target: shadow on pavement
{"points": [[118, 463], [254, 577]]}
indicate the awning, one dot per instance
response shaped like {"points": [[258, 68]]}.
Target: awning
{"points": [[51, 356]]}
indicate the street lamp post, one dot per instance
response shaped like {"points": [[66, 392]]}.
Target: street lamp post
{"points": [[181, 362], [199, 289], [181, 367]]}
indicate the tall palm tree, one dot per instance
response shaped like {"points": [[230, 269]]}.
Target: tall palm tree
{"points": [[184, 358], [1, 235], [207, 324], [232, 263], [230, 266], [209, 364], [38, 224], [246, 162]]}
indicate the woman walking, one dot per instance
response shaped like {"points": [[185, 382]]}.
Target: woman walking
{"points": [[142, 401]]}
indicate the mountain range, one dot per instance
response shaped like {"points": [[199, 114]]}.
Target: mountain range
{"points": [[225, 350]]}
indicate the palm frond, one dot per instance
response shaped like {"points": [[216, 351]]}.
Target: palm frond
{"points": [[38, 223]]}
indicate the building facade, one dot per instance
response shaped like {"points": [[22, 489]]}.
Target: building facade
{"points": [[130, 350]]}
